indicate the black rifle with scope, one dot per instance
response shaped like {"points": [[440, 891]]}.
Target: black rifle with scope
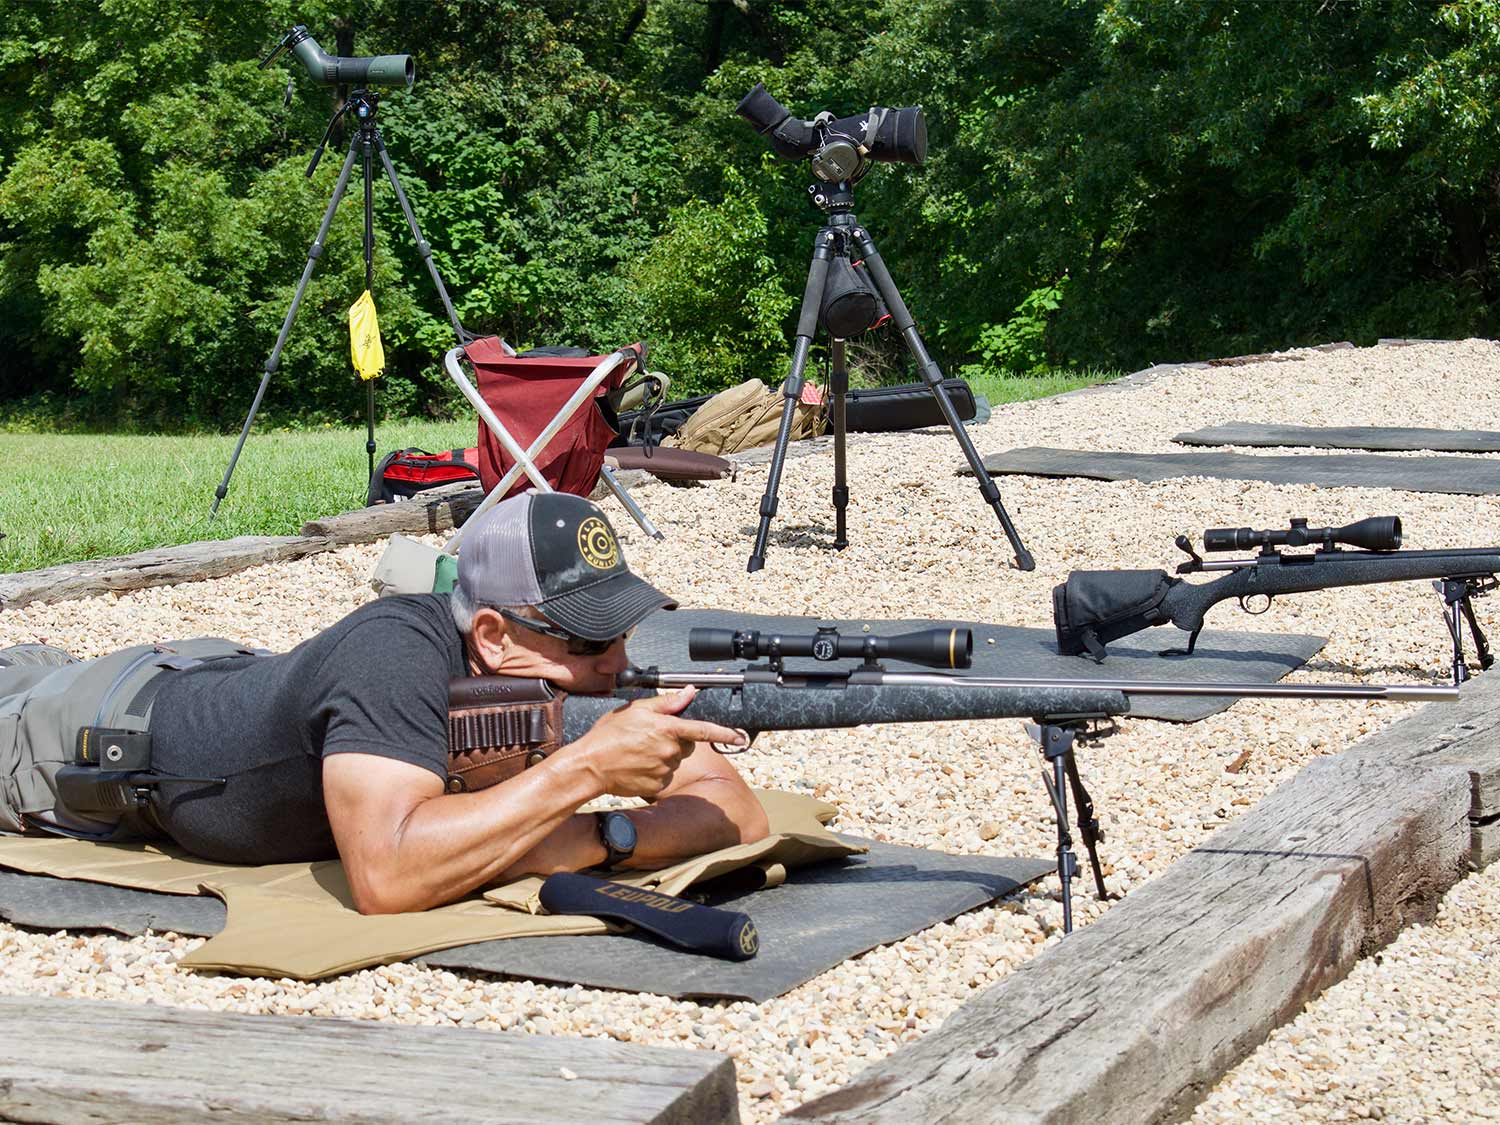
{"points": [[1094, 607], [771, 697]]}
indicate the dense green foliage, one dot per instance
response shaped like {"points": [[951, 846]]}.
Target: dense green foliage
{"points": [[1111, 182]]}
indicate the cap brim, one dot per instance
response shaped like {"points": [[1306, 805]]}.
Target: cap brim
{"points": [[606, 609]]}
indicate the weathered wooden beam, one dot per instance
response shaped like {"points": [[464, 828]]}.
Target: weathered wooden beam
{"points": [[84, 1061], [1133, 1018], [162, 566], [437, 509]]}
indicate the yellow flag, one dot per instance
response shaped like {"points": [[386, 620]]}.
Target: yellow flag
{"points": [[364, 338]]}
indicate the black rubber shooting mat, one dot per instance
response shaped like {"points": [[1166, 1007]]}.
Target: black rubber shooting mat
{"points": [[45, 903], [1262, 658], [1459, 476], [821, 916], [1388, 438]]}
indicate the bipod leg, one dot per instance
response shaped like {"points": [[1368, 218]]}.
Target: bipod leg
{"points": [[424, 248], [838, 385], [932, 375], [1057, 744], [314, 252], [1481, 643], [791, 390], [1088, 824]]}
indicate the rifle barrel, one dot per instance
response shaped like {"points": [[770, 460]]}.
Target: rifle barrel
{"points": [[1457, 556], [1414, 693]]}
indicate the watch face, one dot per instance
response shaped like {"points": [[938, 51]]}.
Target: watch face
{"points": [[619, 832]]}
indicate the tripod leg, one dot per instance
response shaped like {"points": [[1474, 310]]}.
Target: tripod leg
{"points": [[313, 254], [424, 248], [932, 375], [369, 284], [807, 324], [838, 384]]}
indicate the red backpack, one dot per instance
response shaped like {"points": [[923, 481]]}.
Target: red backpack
{"points": [[402, 474]]}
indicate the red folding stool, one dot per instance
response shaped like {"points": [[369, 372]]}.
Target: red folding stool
{"points": [[558, 419]]}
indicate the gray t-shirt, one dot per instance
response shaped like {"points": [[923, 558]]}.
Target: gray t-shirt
{"points": [[374, 683]]}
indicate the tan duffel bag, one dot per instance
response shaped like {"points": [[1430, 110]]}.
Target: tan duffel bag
{"points": [[744, 417]]}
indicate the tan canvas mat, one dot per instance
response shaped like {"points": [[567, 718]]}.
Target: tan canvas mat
{"points": [[298, 919]]}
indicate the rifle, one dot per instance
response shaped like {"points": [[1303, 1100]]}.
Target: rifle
{"points": [[1094, 607], [527, 719]]}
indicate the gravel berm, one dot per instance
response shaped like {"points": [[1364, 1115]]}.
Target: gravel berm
{"points": [[922, 543]]}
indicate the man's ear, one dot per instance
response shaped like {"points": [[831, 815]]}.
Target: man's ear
{"points": [[487, 637]]}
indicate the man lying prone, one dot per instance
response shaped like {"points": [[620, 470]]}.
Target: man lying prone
{"points": [[340, 747]]}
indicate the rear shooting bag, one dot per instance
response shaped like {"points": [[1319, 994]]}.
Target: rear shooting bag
{"points": [[1094, 607]]}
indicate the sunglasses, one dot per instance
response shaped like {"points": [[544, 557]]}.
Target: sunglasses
{"points": [[577, 646]]}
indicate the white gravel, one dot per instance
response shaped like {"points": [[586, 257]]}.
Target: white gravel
{"points": [[1411, 1034], [921, 543]]}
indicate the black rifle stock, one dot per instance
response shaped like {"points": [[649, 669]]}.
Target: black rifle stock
{"points": [[1095, 607]]}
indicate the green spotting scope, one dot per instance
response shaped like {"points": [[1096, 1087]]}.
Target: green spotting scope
{"points": [[334, 70]]}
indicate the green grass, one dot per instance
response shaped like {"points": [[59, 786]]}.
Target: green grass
{"points": [[1019, 388], [66, 497]]}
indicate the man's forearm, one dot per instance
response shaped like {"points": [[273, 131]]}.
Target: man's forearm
{"points": [[675, 828]]}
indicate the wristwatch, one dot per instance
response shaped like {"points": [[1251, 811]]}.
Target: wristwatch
{"points": [[617, 832]]}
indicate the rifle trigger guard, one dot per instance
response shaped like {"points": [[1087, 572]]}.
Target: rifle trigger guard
{"points": [[1248, 603]]}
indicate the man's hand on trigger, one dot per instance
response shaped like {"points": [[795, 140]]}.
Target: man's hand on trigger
{"points": [[635, 751]]}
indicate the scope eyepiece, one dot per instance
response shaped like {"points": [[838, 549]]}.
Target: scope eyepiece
{"points": [[935, 648], [1378, 533]]}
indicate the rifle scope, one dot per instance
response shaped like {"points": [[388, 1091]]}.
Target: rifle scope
{"points": [[935, 648], [335, 70], [1378, 533]]}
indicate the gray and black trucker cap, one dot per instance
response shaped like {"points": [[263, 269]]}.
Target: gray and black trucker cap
{"points": [[555, 551]]}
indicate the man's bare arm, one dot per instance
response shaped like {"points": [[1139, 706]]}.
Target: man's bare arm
{"points": [[408, 845]]}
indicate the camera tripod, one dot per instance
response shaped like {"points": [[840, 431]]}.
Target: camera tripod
{"points": [[366, 141], [841, 235]]}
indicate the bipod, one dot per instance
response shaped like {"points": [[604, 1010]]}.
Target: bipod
{"points": [[842, 236], [366, 142], [1056, 738], [1458, 596]]}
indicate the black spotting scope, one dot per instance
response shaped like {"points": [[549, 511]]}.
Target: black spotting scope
{"points": [[936, 648], [838, 147], [1378, 533], [334, 70]]}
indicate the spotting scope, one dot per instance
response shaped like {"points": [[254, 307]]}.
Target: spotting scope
{"points": [[336, 70]]}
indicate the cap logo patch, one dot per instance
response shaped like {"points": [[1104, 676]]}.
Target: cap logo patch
{"points": [[596, 543]]}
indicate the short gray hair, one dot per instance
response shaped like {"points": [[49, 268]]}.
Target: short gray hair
{"points": [[464, 609]]}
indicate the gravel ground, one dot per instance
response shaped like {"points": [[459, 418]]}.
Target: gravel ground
{"points": [[921, 543], [1411, 1035]]}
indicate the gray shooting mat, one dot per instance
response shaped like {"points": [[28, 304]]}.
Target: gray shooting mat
{"points": [[1389, 438], [1458, 476], [45, 903], [1011, 650], [821, 916]]}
